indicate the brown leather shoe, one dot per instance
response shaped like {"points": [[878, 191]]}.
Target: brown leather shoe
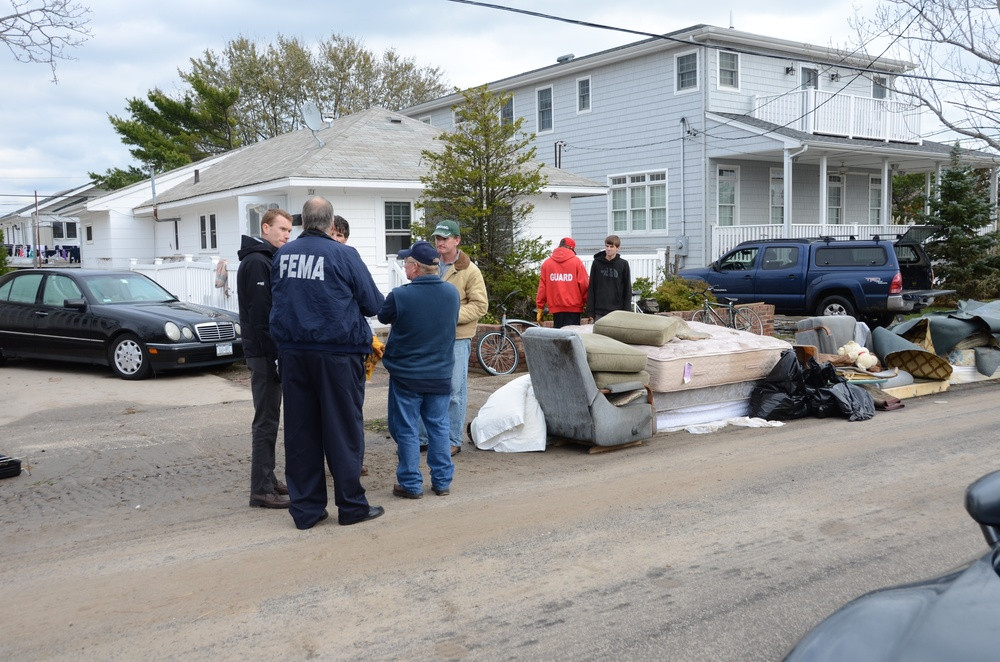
{"points": [[280, 488], [364, 470], [455, 450], [269, 501], [397, 490]]}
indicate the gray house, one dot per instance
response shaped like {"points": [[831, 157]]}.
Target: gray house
{"points": [[709, 136]]}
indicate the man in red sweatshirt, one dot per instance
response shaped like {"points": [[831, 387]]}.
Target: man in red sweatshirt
{"points": [[562, 285]]}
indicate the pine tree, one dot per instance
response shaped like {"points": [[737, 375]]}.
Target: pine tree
{"points": [[964, 248], [483, 178]]}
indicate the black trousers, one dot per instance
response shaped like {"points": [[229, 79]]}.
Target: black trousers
{"points": [[559, 320], [266, 391], [324, 394]]}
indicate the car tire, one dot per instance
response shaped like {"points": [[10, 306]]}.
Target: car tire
{"points": [[835, 305], [128, 358]]}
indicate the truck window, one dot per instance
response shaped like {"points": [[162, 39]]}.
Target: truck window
{"points": [[906, 254], [739, 260], [780, 257], [851, 256]]}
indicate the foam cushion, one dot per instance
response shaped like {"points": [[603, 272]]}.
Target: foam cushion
{"points": [[606, 379], [637, 329], [606, 354]]}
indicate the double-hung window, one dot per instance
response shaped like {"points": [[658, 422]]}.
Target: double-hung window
{"points": [[583, 95], [729, 70], [397, 226], [777, 190], [880, 87], [729, 180], [835, 199], [544, 98], [507, 112], [686, 67], [208, 237], [875, 200], [639, 202]]}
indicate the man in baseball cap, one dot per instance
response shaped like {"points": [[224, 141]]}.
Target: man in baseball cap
{"points": [[457, 268], [562, 285]]}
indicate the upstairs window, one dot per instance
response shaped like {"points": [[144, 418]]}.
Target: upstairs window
{"points": [[880, 87], [507, 112], [583, 95], [687, 72], [544, 97], [729, 70]]}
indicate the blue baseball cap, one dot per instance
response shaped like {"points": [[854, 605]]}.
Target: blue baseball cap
{"points": [[421, 251]]}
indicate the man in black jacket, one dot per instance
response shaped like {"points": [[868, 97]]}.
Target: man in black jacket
{"points": [[610, 281], [253, 282]]}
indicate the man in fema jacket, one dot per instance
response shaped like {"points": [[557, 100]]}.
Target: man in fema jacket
{"points": [[321, 294]]}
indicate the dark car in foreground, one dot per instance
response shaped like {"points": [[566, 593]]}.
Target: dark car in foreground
{"points": [[952, 617], [117, 318]]}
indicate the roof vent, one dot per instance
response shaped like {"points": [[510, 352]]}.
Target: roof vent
{"points": [[565, 58], [197, 176], [395, 120]]}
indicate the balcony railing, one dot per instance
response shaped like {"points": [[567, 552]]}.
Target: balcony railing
{"points": [[725, 238], [838, 114]]}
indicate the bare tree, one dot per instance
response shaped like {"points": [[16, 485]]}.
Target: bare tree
{"points": [[955, 45], [42, 30]]}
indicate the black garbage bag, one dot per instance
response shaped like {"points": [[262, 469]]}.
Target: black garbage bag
{"points": [[852, 401], [782, 395], [830, 394]]}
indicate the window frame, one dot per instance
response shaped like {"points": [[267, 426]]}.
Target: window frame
{"points": [[776, 175], [736, 72], [880, 87], [736, 193], [209, 234], [504, 121], [840, 184], [538, 110], [579, 95], [622, 188], [874, 199], [88, 231], [677, 73], [396, 232]]}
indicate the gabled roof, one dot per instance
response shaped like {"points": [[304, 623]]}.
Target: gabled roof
{"points": [[64, 204], [696, 35], [375, 146]]}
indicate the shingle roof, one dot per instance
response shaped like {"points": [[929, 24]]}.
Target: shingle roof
{"points": [[375, 145]]}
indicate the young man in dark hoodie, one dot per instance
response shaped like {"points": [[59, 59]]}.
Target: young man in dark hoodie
{"points": [[562, 285], [253, 281], [610, 281]]}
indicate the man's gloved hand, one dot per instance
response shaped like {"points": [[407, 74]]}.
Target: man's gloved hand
{"points": [[540, 315]]}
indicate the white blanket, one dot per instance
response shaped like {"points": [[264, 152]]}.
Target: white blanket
{"points": [[511, 420]]}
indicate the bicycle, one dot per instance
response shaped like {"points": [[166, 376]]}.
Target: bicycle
{"points": [[497, 352], [743, 319]]}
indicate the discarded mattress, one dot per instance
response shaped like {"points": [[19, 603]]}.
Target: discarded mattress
{"points": [[729, 356], [687, 407], [511, 421]]}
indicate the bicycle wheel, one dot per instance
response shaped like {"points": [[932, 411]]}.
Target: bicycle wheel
{"points": [[706, 317], [497, 354], [745, 319]]}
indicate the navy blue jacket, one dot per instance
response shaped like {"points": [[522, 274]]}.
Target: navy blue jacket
{"points": [[321, 293], [421, 346], [253, 288]]}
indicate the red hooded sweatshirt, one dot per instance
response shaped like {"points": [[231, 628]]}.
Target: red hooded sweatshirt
{"points": [[563, 283]]}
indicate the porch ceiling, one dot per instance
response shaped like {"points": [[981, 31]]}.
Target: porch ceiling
{"points": [[852, 154]]}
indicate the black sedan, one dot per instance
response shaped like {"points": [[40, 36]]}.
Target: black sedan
{"points": [[953, 617], [117, 318]]}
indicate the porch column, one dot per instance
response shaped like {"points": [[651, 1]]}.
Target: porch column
{"points": [[787, 200], [824, 190], [886, 189], [994, 185], [927, 193]]}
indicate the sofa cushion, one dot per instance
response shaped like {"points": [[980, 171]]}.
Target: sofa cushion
{"points": [[637, 329], [606, 379], [606, 354]]}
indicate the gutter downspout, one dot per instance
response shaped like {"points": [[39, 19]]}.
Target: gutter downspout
{"points": [[787, 166]]}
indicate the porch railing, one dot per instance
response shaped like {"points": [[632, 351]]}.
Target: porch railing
{"points": [[726, 238], [838, 114]]}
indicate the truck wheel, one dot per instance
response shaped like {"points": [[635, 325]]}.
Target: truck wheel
{"points": [[835, 305]]}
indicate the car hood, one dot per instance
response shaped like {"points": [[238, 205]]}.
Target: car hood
{"points": [[953, 617], [180, 312]]}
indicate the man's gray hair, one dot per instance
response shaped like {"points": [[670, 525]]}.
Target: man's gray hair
{"points": [[317, 214]]}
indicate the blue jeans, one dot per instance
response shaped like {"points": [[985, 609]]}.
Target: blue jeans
{"points": [[407, 410], [458, 402]]}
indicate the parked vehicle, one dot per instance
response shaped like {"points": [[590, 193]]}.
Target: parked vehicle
{"points": [[952, 617], [872, 279], [117, 318]]}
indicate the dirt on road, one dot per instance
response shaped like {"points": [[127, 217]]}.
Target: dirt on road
{"points": [[132, 538]]}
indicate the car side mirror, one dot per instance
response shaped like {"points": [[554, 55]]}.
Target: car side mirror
{"points": [[75, 304], [982, 501], [715, 266]]}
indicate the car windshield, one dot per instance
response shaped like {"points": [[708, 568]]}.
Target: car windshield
{"points": [[126, 288]]}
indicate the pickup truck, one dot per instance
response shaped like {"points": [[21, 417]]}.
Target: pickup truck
{"points": [[871, 279]]}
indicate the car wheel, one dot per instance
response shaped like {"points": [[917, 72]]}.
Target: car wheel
{"points": [[128, 359], [835, 305]]}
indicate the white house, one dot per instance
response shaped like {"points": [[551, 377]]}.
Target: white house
{"points": [[47, 230], [707, 136], [367, 164]]}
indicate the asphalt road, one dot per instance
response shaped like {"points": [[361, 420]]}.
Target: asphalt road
{"points": [[132, 536]]}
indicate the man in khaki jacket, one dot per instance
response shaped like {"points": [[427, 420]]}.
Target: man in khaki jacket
{"points": [[456, 268]]}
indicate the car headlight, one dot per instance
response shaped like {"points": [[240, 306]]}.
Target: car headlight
{"points": [[239, 331], [187, 333], [172, 331]]}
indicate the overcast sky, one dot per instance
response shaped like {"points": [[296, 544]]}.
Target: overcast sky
{"points": [[52, 134]]}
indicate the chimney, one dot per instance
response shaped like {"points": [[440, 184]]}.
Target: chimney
{"points": [[197, 176]]}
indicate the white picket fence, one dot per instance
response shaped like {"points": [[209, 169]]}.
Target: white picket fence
{"points": [[194, 282]]}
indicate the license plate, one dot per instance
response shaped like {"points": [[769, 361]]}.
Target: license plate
{"points": [[224, 349]]}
